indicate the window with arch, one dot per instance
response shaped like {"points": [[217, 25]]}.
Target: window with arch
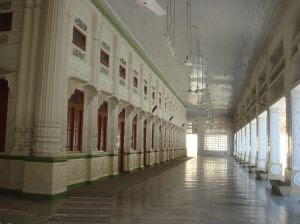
{"points": [[75, 121], [102, 127], [6, 21]]}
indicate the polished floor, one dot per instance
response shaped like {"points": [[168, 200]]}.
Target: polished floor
{"points": [[208, 190]]}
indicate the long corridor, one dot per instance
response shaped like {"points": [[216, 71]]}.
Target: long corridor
{"points": [[204, 190]]}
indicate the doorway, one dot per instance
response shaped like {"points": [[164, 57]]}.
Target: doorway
{"points": [[3, 112], [145, 142], [75, 121], [121, 125], [192, 145]]}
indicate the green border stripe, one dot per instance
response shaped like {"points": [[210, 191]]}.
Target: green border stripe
{"points": [[107, 13]]}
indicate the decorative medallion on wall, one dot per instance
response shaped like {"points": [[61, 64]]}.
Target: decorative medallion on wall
{"points": [[81, 24], [4, 38], [135, 72], [105, 46], [123, 61], [78, 53], [297, 179], [276, 169], [145, 81], [5, 4], [104, 70], [135, 91]]}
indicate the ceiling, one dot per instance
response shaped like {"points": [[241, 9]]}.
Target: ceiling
{"points": [[231, 34]]}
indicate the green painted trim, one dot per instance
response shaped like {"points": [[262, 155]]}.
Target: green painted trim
{"points": [[107, 13], [46, 159], [53, 159], [10, 191], [132, 153], [78, 185], [44, 196], [13, 157]]}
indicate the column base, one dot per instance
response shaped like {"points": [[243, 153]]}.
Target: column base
{"points": [[293, 178], [261, 175], [45, 179], [280, 187], [275, 171], [261, 165]]}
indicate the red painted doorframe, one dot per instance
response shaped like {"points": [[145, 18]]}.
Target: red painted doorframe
{"points": [[121, 121], [145, 141], [4, 89], [75, 121]]}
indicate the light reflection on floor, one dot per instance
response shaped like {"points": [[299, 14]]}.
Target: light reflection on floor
{"points": [[204, 190]]}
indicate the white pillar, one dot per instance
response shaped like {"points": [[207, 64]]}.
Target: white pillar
{"points": [[275, 166], [248, 145], [52, 75], [262, 142], [243, 148], [23, 76], [32, 74], [253, 137], [295, 149]]}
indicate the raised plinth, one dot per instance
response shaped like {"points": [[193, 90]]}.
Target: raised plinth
{"points": [[280, 187], [261, 175], [252, 169]]}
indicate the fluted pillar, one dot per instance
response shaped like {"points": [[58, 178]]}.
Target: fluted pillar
{"points": [[23, 76], [51, 73]]}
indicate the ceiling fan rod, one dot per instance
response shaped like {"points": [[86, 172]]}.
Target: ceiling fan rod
{"points": [[171, 25]]}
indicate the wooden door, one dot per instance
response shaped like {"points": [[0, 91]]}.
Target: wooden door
{"points": [[145, 141], [121, 139], [3, 112], [75, 121], [134, 133], [160, 144], [102, 126]]}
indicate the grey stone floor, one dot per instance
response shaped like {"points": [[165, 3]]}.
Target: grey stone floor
{"points": [[200, 190]]}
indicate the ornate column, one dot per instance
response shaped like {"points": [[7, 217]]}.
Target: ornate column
{"points": [[253, 128], [129, 114], [275, 166], [295, 141], [23, 75], [96, 100], [48, 117], [113, 133], [47, 178], [262, 142], [32, 74]]}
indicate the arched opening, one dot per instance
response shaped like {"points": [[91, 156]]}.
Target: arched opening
{"points": [[75, 121], [4, 89], [161, 155], [134, 133], [152, 137], [102, 126], [145, 141], [121, 125]]}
